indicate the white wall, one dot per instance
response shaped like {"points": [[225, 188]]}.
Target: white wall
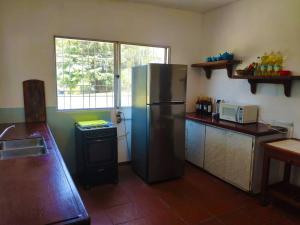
{"points": [[249, 28], [27, 29]]}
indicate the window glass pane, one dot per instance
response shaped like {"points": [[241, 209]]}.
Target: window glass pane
{"points": [[134, 55], [85, 74]]}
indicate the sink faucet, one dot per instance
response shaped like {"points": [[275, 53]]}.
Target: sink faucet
{"points": [[6, 129]]}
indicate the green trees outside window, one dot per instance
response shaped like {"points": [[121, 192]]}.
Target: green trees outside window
{"points": [[85, 71]]}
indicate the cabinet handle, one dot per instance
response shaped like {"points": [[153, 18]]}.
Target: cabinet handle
{"points": [[100, 170]]}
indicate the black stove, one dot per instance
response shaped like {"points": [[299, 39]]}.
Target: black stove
{"points": [[96, 154]]}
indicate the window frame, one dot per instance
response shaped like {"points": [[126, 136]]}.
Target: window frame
{"points": [[117, 70]]}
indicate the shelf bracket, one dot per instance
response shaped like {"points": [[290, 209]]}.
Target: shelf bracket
{"points": [[253, 85], [287, 84], [207, 72], [223, 64], [229, 69], [287, 88]]}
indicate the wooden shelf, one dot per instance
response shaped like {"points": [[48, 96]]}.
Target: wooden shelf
{"points": [[286, 192], [223, 64], [286, 81]]}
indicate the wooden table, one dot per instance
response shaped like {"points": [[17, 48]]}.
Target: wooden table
{"points": [[288, 151]]}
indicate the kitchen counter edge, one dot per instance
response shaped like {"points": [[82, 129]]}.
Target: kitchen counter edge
{"points": [[255, 129], [32, 130]]}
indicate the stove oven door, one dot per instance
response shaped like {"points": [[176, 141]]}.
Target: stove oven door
{"points": [[101, 151]]}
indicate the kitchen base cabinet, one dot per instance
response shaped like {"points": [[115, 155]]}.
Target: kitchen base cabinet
{"points": [[215, 148], [228, 155], [195, 140], [233, 156], [231, 151], [238, 159]]}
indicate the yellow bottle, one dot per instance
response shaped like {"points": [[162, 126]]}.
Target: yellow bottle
{"points": [[271, 64], [278, 63]]}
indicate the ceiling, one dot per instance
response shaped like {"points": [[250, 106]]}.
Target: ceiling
{"points": [[191, 5]]}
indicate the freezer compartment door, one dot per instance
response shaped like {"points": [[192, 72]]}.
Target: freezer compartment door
{"points": [[166, 83], [166, 141], [139, 86]]}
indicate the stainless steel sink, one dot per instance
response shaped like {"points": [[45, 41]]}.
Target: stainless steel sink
{"points": [[29, 147]]}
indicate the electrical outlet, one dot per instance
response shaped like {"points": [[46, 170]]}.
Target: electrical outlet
{"points": [[118, 117], [288, 125]]}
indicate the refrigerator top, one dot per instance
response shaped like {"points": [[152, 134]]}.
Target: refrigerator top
{"points": [[162, 65], [167, 103]]}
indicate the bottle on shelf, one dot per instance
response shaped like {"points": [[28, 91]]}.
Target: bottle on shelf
{"points": [[205, 105], [264, 64], [209, 107], [201, 106], [197, 107], [278, 61], [271, 64], [257, 71]]}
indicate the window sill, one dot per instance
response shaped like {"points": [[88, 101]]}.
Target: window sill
{"points": [[84, 110]]}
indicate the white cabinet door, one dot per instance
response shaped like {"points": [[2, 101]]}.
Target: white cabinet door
{"points": [[195, 140], [215, 148], [238, 159]]}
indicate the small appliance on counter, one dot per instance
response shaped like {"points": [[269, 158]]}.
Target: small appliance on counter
{"points": [[238, 113], [216, 114], [96, 152]]}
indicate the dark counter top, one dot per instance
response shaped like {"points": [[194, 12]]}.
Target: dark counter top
{"points": [[38, 190], [255, 129]]}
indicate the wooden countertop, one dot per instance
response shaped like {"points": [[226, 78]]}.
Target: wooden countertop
{"points": [[291, 145], [255, 129], [38, 190]]}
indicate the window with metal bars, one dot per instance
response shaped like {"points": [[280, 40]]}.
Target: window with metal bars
{"points": [[86, 71]]}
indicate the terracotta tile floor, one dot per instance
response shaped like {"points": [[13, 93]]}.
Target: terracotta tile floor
{"points": [[196, 199]]}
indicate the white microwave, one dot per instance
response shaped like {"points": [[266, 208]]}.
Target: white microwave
{"points": [[238, 113]]}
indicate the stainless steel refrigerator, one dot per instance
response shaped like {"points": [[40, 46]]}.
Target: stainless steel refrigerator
{"points": [[158, 121]]}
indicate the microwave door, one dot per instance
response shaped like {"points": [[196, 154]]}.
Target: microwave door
{"points": [[229, 113]]}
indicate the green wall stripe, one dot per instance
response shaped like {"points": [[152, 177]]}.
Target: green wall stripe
{"points": [[12, 115]]}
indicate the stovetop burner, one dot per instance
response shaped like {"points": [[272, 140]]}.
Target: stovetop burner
{"points": [[94, 124], [96, 127]]}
